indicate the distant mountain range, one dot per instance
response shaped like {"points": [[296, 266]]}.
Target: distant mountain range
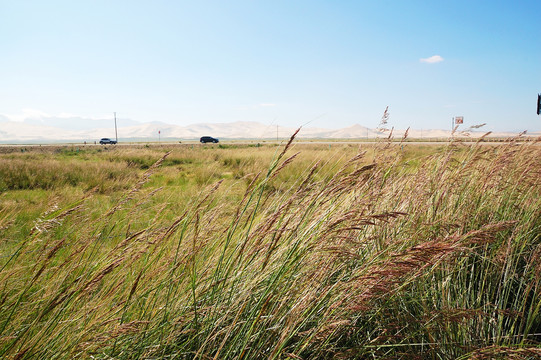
{"points": [[47, 130]]}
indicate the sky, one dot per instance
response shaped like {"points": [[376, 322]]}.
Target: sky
{"points": [[328, 64]]}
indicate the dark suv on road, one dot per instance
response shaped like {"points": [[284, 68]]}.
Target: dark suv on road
{"points": [[105, 141], [206, 139]]}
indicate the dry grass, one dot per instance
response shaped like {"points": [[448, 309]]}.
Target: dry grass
{"points": [[297, 252]]}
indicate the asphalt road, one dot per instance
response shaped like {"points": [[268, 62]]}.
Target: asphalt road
{"points": [[268, 142]]}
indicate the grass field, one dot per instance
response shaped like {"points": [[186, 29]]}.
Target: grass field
{"points": [[297, 251]]}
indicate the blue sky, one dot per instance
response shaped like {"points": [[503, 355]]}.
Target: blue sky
{"points": [[334, 63]]}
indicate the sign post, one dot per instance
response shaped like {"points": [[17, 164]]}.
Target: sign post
{"points": [[538, 104], [456, 121]]}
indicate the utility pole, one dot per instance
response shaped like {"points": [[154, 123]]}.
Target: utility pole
{"points": [[116, 133], [276, 133]]}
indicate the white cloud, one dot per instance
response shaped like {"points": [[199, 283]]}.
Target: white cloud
{"points": [[39, 115], [26, 114], [267, 105], [432, 60], [66, 115]]}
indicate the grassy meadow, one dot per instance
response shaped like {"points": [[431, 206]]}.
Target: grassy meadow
{"points": [[291, 251]]}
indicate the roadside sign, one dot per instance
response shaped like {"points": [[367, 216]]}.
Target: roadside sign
{"points": [[459, 120]]}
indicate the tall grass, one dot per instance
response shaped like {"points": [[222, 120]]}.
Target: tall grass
{"points": [[390, 254]]}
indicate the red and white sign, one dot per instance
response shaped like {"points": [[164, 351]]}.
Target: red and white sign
{"points": [[459, 120]]}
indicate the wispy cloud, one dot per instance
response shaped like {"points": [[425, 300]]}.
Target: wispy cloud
{"points": [[26, 114], [256, 106], [33, 114], [432, 60]]}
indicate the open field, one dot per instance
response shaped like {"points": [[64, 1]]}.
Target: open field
{"points": [[256, 251]]}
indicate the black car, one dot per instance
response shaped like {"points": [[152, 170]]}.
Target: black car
{"points": [[105, 141], [207, 139]]}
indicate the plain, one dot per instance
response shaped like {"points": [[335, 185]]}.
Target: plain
{"points": [[297, 251]]}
